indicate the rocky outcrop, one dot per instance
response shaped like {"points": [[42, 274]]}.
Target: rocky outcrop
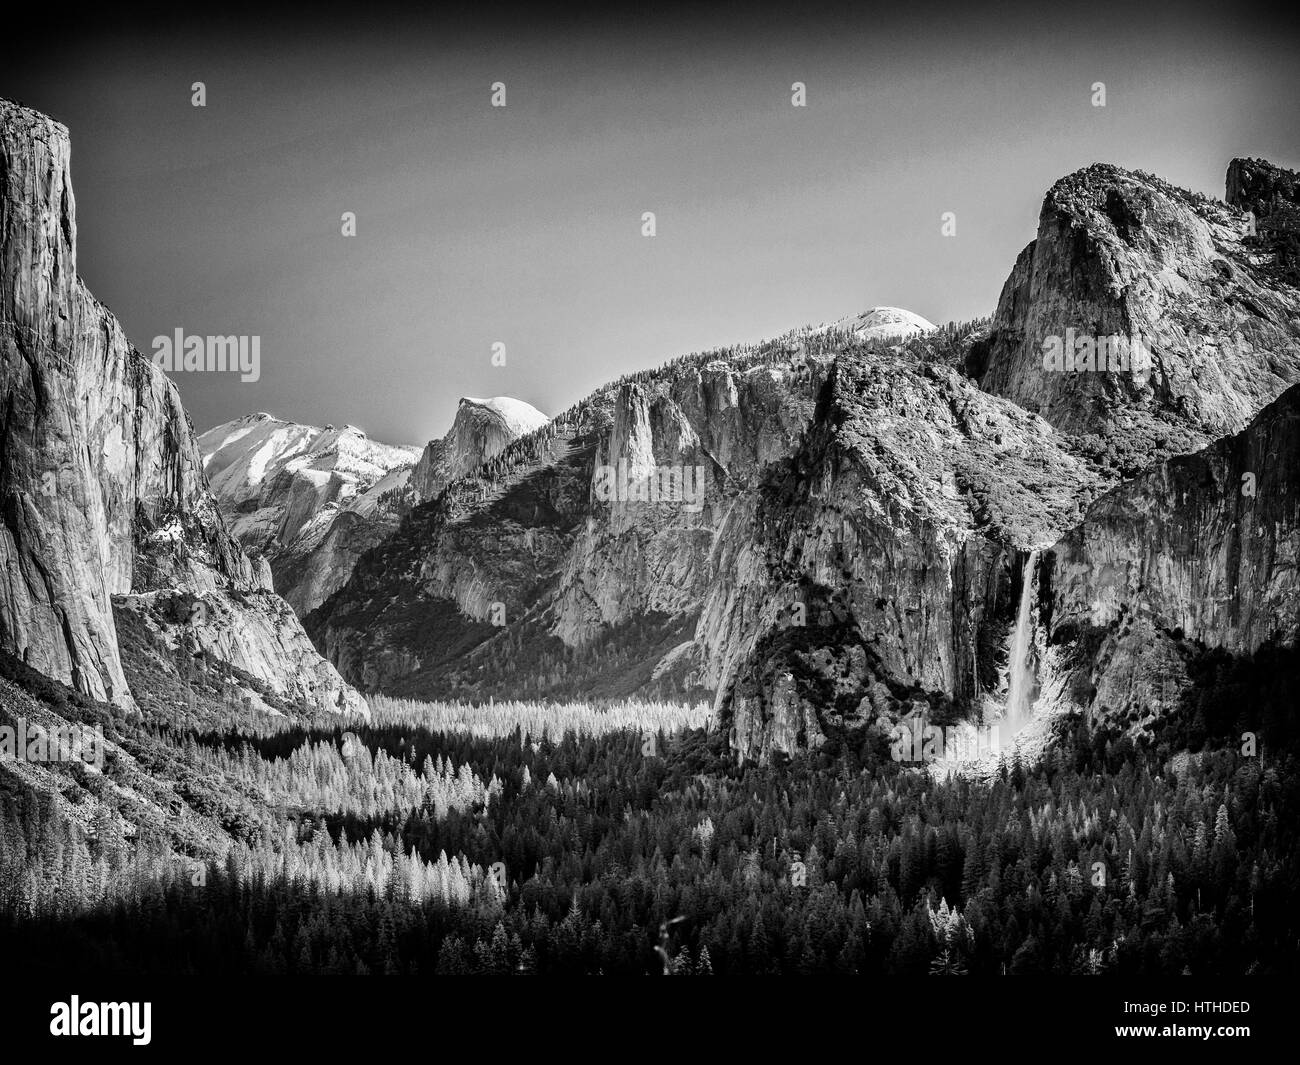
{"points": [[1271, 195], [586, 586], [1126, 255], [884, 566], [313, 501], [105, 505], [525, 551], [481, 430], [1189, 554], [309, 500], [258, 635], [1203, 550]]}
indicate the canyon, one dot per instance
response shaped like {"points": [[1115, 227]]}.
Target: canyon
{"points": [[885, 519]]}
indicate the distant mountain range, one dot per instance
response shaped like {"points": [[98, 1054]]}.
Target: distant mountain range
{"points": [[312, 501], [306, 499]]}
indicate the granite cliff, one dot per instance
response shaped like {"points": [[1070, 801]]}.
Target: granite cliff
{"points": [[823, 490], [480, 431], [107, 517], [1124, 254], [1201, 552]]}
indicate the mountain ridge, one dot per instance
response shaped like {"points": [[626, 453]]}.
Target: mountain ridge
{"points": [[928, 453], [313, 500]]}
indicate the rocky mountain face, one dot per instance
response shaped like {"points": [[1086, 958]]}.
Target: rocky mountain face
{"points": [[738, 522], [1126, 255], [480, 431], [1271, 197], [894, 536], [1202, 551], [519, 578], [107, 517], [309, 500], [1057, 509], [1196, 551]]}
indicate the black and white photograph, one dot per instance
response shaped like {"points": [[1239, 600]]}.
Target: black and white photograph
{"points": [[795, 490]]}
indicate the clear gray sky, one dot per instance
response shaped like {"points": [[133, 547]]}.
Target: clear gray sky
{"points": [[523, 225]]}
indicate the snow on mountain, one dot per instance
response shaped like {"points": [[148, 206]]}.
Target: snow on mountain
{"points": [[313, 501], [248, 460], [283, 488], [519, 417], [880, 322]]}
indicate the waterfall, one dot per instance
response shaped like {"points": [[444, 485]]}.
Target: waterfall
{"points": [[1020, 670]]}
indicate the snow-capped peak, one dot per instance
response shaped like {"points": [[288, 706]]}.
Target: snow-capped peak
{"points": [[481, 430], [880, 322], [520, 418]]}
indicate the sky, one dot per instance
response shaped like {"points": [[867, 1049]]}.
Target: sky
{"points": [[523, 225]]}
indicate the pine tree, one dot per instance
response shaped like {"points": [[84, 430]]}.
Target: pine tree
{"points": [[947, 963]]}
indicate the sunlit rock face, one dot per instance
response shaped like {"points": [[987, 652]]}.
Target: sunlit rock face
{"points": [[312, 501], [1189, 553], [892, 547], [1123, 254], [1271, 197], [568, 565], [105, 500], [481, 430]]}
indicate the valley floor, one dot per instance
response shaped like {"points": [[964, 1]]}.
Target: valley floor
{"points": [[520, 838]]}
